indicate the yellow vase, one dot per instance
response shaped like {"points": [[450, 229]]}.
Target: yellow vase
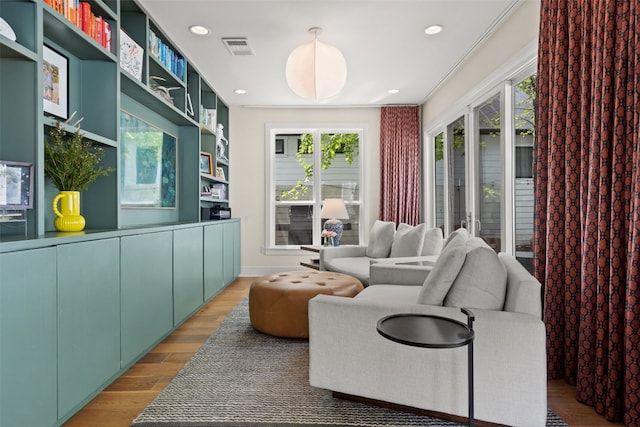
{"points": [[68, 217]]}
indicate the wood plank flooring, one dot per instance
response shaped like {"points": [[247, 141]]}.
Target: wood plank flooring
{"points": [[125, 398]]}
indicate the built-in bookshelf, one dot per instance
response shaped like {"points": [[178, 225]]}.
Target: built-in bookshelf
{"points": [[148, 76]]}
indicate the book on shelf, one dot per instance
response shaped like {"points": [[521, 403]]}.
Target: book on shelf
{"points": [[166, 55], [79, 13]]}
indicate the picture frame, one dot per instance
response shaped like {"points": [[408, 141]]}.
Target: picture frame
{"points": [[55, 83], [131, 56], [220, 173], [148, 164], [16, 185], [206, 162]]}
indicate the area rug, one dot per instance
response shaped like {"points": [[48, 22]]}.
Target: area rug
{"points": [[241, 377]]}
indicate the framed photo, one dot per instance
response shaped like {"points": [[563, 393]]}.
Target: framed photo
{"points": [[148, 165], [220, 173], [206, 162], [55, 81], [16, 185]]}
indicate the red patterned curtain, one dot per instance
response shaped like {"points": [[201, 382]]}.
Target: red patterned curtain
{"points": [[400, 164], [587, 191]]}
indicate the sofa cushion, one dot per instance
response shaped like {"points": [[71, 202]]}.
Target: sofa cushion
{"points": [[444, 273], [433, 240], [407, 242], [381, 239], [460, 234], [357, 267], [482, 280]]}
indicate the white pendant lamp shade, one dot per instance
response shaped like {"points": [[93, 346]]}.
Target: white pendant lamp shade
{"points": [[316, 70]]}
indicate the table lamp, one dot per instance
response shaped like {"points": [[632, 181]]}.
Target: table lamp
{"points": [[335, 210]]}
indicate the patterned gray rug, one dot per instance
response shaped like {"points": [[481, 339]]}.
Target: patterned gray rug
{"points": [[243, 378]]}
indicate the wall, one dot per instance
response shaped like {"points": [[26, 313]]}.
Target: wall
{"points": [[247, 140], [518, 32]]}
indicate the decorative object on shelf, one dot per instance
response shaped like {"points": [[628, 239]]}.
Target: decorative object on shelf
{"points": [[222, 144], [6, 30], [16, 185], [147, 164], [55, 80], [335, 210], [206, 162], [316, 70], [68, 217], [71, 163], [131, 56], [209, 117], [327, 237], [220, 173], [162, 91]]}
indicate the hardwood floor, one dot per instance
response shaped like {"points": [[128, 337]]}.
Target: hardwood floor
{"points": [[125, 398]]}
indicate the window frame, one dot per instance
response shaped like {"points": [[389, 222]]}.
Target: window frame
{"points": [[273, 129]]}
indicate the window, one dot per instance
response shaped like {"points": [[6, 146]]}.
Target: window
{"points": [[321, 163]]}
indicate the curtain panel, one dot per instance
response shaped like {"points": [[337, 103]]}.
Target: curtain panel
{"points": [[587, 199], [400, 164]]}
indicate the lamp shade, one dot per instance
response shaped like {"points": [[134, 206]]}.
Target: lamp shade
{"points": [[334, 209], [316, 70]]}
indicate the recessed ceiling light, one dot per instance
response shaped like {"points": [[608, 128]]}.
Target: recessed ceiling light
{"points": [[240, 91], [433, 29], [392, 91], [199, 30]]}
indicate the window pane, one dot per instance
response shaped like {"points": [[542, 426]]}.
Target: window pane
{"points": [[457, 170], [524, 117], [340, 166], [439, 172], [490, 172], [294, 168], [294, 225]]}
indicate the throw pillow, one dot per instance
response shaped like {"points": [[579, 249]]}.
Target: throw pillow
{"points": [[482, 281], [432, 244], [381, 239], [460, 234], [407, 241], [443, 274]]}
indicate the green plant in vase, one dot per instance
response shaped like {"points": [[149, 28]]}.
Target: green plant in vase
{"points": [[71, 163]]}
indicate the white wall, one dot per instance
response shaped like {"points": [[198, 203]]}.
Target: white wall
{"points": [[247, 172]]}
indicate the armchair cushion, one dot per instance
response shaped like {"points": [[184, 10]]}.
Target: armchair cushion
{"points": [[433, 240], [407, 242], [444, 273], [381, 239], [482, 280]]}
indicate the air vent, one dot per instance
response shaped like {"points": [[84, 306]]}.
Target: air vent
{"points": [[237, 46]]}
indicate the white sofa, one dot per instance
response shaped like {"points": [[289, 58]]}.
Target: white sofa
{"points": [[385, 243], [349, 356]]}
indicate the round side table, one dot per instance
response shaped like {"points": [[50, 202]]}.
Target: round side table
{"points": [[429, 331]]}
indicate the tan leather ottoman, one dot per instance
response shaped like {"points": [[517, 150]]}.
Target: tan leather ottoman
{"points": [[278, 303]]}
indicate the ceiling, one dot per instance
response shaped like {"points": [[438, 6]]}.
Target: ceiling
{"points": [[383, 41]]}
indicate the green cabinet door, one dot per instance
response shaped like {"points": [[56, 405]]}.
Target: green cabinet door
{"points": [[228, 252], [146, 292], [88, 319], [213, 260], [188, 292], [28, 338], [237, 238]]}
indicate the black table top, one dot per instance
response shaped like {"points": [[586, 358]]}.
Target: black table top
{"points": [[422, 330]]}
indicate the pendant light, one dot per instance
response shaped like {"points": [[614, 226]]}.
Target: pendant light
{"points": [[316, 70]]}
